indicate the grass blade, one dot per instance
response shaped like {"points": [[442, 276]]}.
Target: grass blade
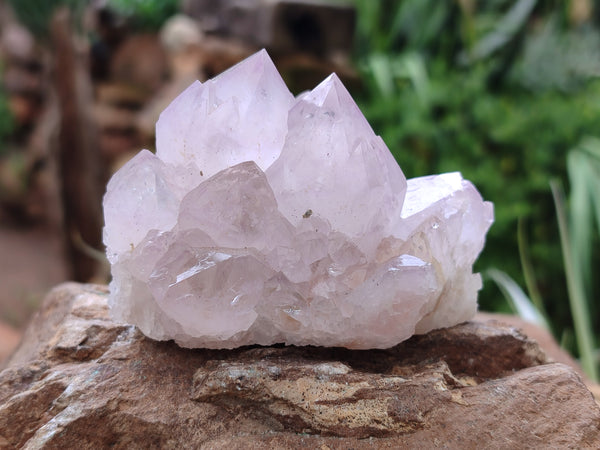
{"points": [[583, 329], [380, 68], [517, 298], [580, 215], [591, 149], [505, 30], [528, 272]]}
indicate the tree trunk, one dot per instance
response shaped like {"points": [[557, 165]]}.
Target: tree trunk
{"points": [[79, 162]]}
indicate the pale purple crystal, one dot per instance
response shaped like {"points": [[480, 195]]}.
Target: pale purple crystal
{"points": [[265, 219]]}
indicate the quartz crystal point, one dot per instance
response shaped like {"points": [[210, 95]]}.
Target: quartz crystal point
{"points": [[265, 218]]}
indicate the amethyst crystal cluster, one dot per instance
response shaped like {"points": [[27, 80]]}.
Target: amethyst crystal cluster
{"points": [[265, 218]]}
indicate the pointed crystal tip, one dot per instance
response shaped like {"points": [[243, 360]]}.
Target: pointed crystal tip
{"points": [[265, 218]]}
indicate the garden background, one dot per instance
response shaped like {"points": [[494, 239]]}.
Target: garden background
{"points": [[505, 91]]}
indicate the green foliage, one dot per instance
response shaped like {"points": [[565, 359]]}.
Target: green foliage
{"points": [[36, 15], [6, 121], [577, 234], [520, 303], [499, 91], [576, 226], [554, 58], [145, 14], [576, 286]]}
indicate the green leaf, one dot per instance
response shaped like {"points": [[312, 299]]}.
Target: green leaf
{"points": [[503, 33], [575, 286], [515, 296]]}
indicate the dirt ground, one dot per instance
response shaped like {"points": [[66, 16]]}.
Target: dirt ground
{"points": [[31, 262]]}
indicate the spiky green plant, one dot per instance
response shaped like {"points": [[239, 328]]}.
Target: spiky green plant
{"points": [[576, 227]]}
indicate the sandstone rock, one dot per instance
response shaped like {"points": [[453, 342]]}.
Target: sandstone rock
{"points": [[543, 337], [79, 380]]}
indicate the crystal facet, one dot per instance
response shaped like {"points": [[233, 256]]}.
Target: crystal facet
{"points": [[265, 218]]}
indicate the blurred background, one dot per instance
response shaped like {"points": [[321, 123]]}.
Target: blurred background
{"points": [[505, 91]]}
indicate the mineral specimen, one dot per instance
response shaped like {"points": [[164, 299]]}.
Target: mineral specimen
{"points": [[265, 218]]}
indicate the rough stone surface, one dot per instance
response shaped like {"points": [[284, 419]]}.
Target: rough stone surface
{"points": [[265, 219], [79, 380]]}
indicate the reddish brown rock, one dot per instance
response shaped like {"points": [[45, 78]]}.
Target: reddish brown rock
{"points": [[79, 380], [540, 335], [9, 339], [546, 342]]}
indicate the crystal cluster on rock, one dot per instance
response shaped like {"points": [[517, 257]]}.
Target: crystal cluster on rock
{"points": [[265, 218]]}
